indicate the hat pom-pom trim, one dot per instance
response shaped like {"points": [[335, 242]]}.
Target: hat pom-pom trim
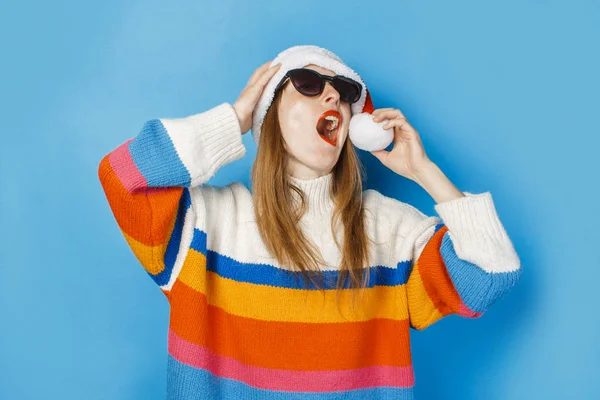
{"points": [[369, 135]]}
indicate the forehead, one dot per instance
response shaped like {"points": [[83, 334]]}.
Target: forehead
{"points": [[321, 70]]}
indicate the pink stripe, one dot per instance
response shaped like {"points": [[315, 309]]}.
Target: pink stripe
{"points": [[467, 312], [122, 163], [274, 379]]}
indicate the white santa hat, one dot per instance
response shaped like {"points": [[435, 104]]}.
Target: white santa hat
{"points": [[364, 133]]}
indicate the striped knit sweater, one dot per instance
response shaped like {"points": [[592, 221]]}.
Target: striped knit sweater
{"points": [[241, 326]]}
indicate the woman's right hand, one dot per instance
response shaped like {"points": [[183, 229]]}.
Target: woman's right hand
{"points": [[244, 105]]}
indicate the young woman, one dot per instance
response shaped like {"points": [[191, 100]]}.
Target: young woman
{"points": [[307, 286]]}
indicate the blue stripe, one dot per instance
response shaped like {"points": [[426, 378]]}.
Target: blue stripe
{"points": [[477, 288], [267, 274], [172, 250], [155, 156], [188, 383], [199, 241]]}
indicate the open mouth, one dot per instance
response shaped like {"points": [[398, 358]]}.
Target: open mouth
{"points": [[328, 126]]}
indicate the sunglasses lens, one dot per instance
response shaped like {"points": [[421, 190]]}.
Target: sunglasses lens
{"points": [[307, 82], [349, 90]]}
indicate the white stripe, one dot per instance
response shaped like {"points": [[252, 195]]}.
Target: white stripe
{"points": [[232, 231], [187, 235]]}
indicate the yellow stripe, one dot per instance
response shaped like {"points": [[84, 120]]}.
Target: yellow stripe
{"points": [[422, 310], [286, 304], [152, 258]]}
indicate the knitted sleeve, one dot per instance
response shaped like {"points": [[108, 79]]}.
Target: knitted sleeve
{"points": [[460, 264], [148, 183]]}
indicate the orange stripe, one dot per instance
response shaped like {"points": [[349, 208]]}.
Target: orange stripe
{"points": [[420, 307], [435, 276], [147, 215], [288, 345]]}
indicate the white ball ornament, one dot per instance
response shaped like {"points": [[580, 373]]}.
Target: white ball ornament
{"points": [[369, 135]]}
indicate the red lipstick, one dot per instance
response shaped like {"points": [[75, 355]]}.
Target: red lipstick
{"points": [[328, 126]]}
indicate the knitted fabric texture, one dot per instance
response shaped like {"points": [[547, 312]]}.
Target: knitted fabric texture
{"points": [[243, 327]]}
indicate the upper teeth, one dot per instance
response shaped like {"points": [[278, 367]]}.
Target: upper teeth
{"points": [[335, 121]]}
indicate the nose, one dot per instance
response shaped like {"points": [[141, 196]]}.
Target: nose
{"points": [[330, 95]]}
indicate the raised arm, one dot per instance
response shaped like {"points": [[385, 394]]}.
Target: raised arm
{"points": [[147, 182], [460, 263]]}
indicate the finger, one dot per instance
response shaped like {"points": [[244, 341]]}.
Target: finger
{"points": [[380, 110], [258, 72], [391, 113], [402, 124], [257, 87], [381, 155], [266, 76]]}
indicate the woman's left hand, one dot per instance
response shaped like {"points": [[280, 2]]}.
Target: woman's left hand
{"points": [[408, 157]]}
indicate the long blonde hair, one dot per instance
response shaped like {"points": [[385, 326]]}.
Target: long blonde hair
{"points": [[277, 219]]}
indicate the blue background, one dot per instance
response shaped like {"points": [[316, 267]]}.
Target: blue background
{"points": [[503, 94]]}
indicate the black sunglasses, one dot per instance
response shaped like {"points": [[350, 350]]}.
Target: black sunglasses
{"points": [[311, 83]]}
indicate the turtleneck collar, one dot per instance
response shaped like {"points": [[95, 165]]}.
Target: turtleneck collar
{"points": [[317, 193]]}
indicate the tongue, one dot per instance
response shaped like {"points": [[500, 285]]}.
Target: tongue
{"points": [[323, 125]]}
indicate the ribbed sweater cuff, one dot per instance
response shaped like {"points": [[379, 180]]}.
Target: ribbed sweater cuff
{"points": [[221, 135], [471, 216], [474, 225]]}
